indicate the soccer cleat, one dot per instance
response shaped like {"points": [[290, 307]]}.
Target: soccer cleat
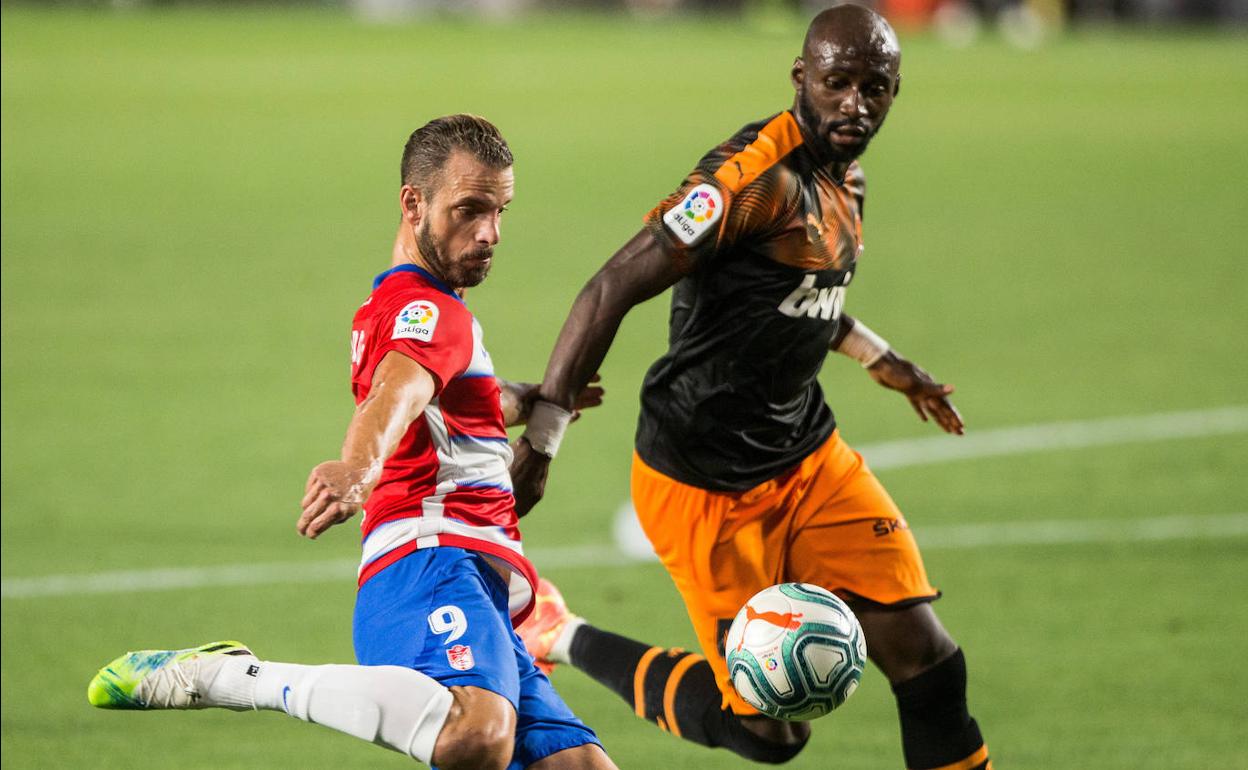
{"points": [[161, 679], [545, 625]]}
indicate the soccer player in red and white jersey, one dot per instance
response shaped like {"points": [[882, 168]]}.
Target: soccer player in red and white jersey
{"points": [[443, 676]]}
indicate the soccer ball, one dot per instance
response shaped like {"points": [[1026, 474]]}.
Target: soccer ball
{"points": [[795, 651]]}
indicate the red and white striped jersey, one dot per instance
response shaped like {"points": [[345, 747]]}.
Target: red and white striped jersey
{"points": [[447, 483]]}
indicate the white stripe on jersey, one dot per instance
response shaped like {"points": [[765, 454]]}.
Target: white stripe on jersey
{"points": [[480, 464], [465, 461], [480, 365], [431, 506], [425, 531]]}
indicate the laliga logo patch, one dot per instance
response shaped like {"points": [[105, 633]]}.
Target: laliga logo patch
{"points": [[460, 657], [416, 321], [692, 217]]}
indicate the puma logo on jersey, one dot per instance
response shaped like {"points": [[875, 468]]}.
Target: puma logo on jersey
{"points": [[815, 230], [813, 302]]}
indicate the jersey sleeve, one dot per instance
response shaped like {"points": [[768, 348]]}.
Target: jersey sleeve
{"points": [[432, 329], [710, 214]]}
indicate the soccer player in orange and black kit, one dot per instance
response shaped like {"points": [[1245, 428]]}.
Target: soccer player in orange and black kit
{"points": [[740, 478]]}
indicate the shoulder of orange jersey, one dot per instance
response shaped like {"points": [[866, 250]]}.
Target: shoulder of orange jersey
{"points": [[742, 179]]}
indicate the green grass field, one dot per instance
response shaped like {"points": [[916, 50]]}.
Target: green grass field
{"points": [[194, 203]]}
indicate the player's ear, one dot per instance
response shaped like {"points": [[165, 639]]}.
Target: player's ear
{"points": [[897, 86], [797, 75], [410, 201]]}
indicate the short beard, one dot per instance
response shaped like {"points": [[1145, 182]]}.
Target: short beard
{"points": [[460, 275], [825, 149]]}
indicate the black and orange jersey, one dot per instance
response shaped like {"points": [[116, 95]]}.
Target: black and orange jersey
{"points": [[771, 240]]}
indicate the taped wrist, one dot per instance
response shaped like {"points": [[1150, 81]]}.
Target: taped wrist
{"points": [[546, 426], [863, 345]]}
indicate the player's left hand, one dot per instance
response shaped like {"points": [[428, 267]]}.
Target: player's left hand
{"points": [[333, 495], [518, 397], [929, 398]]}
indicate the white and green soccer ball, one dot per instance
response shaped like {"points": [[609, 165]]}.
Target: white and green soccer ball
{"points": [[795, 651]]}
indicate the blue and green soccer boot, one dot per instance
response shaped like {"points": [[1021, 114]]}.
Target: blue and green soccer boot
{"points": [[162, 679]]}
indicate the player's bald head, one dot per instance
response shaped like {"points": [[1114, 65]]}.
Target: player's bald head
{"points": [[850, 31], [845, 81]]}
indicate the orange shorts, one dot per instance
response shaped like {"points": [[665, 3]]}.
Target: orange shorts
{"points": [[828, 522]]}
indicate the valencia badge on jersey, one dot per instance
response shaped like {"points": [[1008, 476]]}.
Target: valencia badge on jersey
{"points": [[696, 213], [416, 321]]}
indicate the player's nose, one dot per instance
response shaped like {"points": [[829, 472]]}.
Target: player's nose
{"points": [[853, 105], [488, 233]]}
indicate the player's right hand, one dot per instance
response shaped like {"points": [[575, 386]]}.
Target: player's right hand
{"points": [[930, 399], [333, 495], [528, 475]]}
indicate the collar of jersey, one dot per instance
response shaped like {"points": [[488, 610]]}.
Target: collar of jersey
{"points": [[437, 282], [820, 168]]}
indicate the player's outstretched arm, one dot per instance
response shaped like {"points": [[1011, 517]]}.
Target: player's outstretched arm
{"points": [[336, 489], [638, 271], [930, 399]]}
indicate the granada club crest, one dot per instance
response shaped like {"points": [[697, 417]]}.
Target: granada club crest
{"points": [[460, 657]]}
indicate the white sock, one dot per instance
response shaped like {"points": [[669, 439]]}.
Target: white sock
{"points": [[396, 707], [561, 650], [234, 686]]}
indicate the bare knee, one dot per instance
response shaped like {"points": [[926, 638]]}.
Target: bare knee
{"points": [[904, 642], [480, 732]]}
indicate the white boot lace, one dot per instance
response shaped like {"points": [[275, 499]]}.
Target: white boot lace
{"points": [[174, 686]]}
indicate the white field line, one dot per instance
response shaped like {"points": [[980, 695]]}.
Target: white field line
{"points": [[1074, 531], [892, 454], [133, 581], [1056, 435], [959, 536]]}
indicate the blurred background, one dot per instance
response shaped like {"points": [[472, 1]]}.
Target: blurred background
{"points": [[1012, 16], [194, 198]]}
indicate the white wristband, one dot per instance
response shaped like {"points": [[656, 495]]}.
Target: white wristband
{"points": [[863, 345], [546, 425]]}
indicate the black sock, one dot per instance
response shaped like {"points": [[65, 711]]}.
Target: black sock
{"points": [[674, 689], [936, 728]]}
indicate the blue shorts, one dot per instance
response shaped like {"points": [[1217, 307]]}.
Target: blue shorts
{"points": [[443, 612]]}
